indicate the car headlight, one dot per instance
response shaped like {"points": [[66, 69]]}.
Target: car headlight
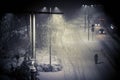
{"points": [[99, 31], [103, 31]]}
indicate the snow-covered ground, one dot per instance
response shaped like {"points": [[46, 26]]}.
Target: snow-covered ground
{"points": [[43, 62], [70, 44]]}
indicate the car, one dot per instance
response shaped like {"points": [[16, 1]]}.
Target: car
{"points": [[101, 31]]}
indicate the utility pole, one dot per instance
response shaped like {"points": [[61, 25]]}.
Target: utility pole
{"points": [[50, 42], [50, 45], [85, 22], [88, 27]]}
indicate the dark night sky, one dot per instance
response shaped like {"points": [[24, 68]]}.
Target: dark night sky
{"points": [[110, 6]]}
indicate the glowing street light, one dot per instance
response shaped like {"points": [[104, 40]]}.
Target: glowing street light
{"points": [[33, 30], [55, 11], [85, 6], [44, 9], [91, 5], [87, 16]]}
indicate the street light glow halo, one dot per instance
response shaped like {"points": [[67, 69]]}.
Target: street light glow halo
{"points": [[44, 9]]}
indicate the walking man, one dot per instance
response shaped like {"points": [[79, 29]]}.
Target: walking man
{"points": [[96, 58]]}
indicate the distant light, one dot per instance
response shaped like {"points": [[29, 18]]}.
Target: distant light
{"points": [[56, 9], [103, 31], [111, 27], [95, 24], [44, 9], [98, 24], [91, 5], [85, 6], [50, 10], [99, 31]]}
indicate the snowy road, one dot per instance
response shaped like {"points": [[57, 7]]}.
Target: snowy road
{"points": [[70, 45]]}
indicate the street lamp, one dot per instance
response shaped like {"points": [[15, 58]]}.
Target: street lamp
{"points": [[86, 18], [87, 13], [50, 43], [56, 11], [33, 31]]}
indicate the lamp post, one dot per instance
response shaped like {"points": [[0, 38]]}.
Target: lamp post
{"points": [[85, 21], [85, 6], [89, 15], [50, 43], [33, 33], [88, 27], [88, 20], [50, 34]]}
